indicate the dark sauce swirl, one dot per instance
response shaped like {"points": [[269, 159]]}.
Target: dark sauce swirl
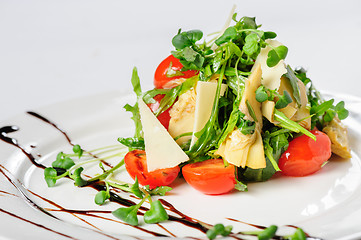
{"points": [[114, 197]]}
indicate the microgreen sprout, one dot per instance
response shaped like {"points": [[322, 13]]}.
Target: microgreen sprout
{"points": [[77, 150], [155, 214], [263, 94], [219, 229], [321, 111]]}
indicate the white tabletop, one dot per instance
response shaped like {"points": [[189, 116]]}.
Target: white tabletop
{"points": [[52, 51]]}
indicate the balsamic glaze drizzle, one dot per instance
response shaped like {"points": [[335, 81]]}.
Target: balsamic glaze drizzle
{"points": [[12, 141], [52, 124], [183, 219], [36, 224]]}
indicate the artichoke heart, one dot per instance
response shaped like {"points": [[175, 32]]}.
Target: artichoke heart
{"points": [[247, 150], [300, 114], [337, 133]]}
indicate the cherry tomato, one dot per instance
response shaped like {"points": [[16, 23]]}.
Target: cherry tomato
{"points": [[305, 156], [164, 117], [168, 73], [136, 165], [210, 176]]}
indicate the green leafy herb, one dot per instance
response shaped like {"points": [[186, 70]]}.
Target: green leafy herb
{"points": [[276, 54], [251, 111], [283, 100], [240, 186], [101, 197], [261, 94], [186, 39], [136, 190], [219, 229], [156, 213], [294, 84], [228, 35], [299, 234], [127, 214], [291, 125], [251, 46], [77, 150], [268, 233], [136, 82], [50, 176], [132, 143], [342, 113], [322, 111], [161, 190], [76, 176], [62, 161]]}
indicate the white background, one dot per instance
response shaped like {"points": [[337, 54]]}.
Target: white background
{"points": [[52, 51]]}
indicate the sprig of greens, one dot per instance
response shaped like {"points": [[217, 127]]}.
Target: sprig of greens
{"points": [[64, 166], [263, 94], [321, 111], [265, 234], [155, 214]]}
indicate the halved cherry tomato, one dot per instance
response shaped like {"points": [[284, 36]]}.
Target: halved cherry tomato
{"points": [[169, 71], [164, 117], [305, 156], [136, 165], [210, 176]]}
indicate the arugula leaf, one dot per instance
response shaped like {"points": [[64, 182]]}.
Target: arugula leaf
{"points": [[161, 190], [246, 126], [291, 125], [132, 143], [319, 110], [240, 186], [148, 96], [294, 84], [170, 97], [136, 82]]}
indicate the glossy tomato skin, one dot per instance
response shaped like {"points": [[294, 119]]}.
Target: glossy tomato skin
{"points": [[161, 79], [304, 156], [136, 165], [210, 176], [164, 117]]}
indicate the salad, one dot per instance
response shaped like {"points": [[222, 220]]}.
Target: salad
{"points": [[222, 113]]}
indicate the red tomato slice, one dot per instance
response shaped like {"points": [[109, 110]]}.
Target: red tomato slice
{"points": [[210, 176], [164, 117], [169, 75], [305, 156], [136, 165]]}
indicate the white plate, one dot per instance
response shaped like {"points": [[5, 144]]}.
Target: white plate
{"points": [[326, 205]]}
